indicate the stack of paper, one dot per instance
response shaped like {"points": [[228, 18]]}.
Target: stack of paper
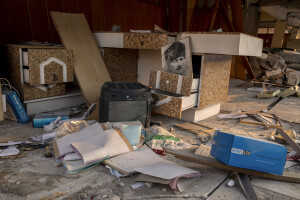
{"points": [[88, 147]]}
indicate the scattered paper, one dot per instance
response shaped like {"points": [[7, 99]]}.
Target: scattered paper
{"points": [[9, 152], [114, 172], [137, 185], [9, 144]]}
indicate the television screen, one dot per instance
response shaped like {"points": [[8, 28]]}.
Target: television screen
{"points": [[127, 111]]}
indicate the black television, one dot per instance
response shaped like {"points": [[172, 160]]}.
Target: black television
{"points": [[125, 101]]}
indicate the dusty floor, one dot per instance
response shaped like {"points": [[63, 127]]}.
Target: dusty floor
{"points": [[34, 176]]}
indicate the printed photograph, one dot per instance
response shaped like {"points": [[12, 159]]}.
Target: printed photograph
{"points": [[176, 58]]}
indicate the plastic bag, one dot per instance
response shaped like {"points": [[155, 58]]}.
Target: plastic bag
{"points": [[157, 137], [69, 127]]}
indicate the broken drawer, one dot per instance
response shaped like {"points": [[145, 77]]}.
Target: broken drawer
{"points": [[172, 105], [47, 66], [151, 41], [173, 83], [31, 92]]}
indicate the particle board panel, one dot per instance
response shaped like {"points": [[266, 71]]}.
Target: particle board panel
{"points": [[224, 43], [33, 92], [13, 64], [53, 72], [172, 105], [172, 108], [169, 82], [14, 61], [122, 64], [151, 41], [214, 81], [89, 66]]}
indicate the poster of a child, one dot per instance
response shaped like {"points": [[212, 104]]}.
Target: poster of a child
{"points": [[176, 58]]}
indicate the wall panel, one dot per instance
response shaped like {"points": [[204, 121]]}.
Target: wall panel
{"points": [[53, 5], [39, 20], [20, 26], [27, 20]]}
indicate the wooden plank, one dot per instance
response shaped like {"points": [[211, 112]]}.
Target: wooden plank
{"points": [[193, 128], [278, 35], [290, 141], [246, 186], [89, 66], [203, 160]]}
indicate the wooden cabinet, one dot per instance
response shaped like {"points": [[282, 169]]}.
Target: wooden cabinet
{"points": [[24, 64], [47, 66]]}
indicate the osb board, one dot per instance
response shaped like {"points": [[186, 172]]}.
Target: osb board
{"points": [[151, 41], [13, 61], [53, 72], [169, 82], [32, 92], [89, 66], [288, 109], [122, 64], [214, 81], [170, 109], [13, 65]]}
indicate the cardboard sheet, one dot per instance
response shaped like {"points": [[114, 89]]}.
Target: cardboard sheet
{"points": [[62, 145], [89, 67], [126, 163], [165, 170], [180, 183], [108, 143]]}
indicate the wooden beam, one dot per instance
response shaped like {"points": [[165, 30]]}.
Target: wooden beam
{"points": [[203, 160], [278, 35]]}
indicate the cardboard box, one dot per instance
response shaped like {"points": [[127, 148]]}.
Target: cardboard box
{"points": [[249, 153]]}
